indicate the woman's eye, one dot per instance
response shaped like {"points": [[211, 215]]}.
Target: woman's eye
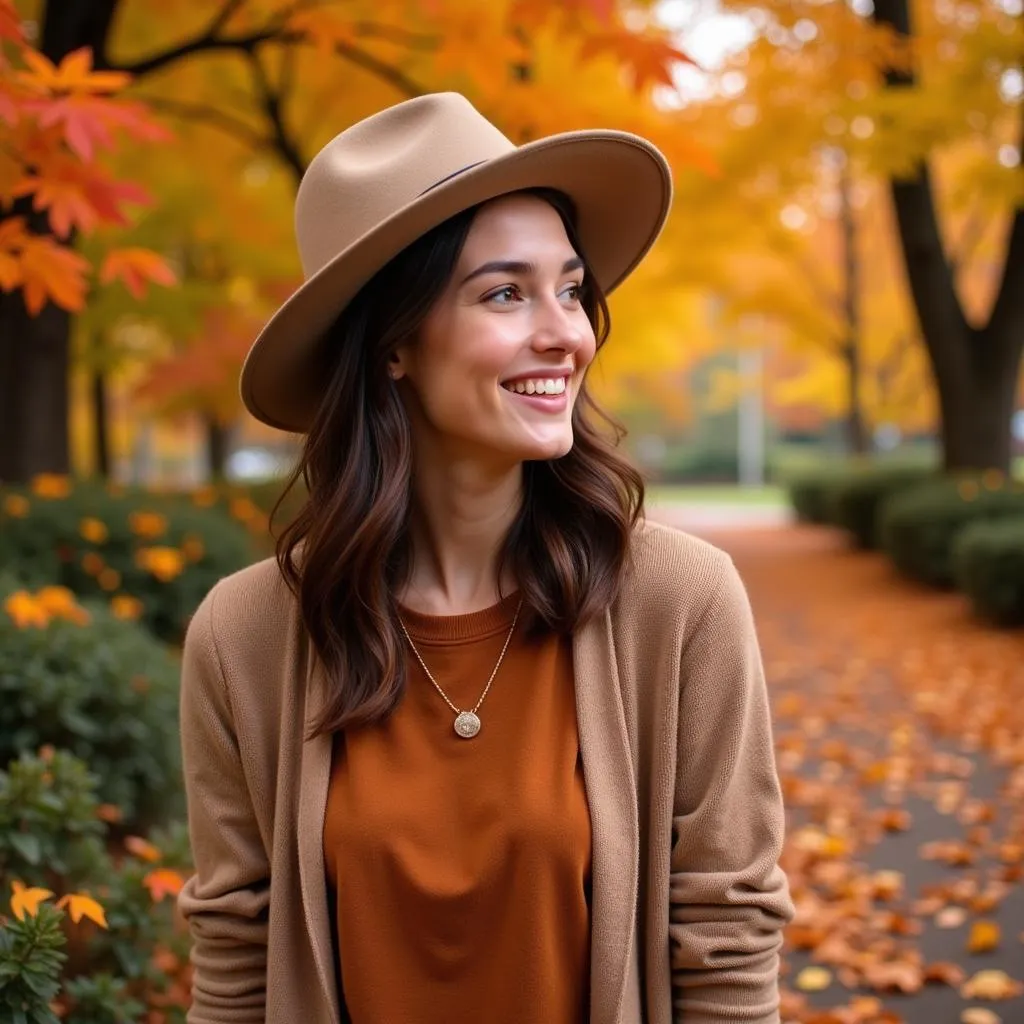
{"points": [[574, 292], [504, 295]]}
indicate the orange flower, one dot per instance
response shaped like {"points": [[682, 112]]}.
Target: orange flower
{"points": [[110, 813], [163, 882], [126, 607], [92, 563], [60, 603], [51, 485], [81, 905], [139, 847], [25, 610], [993, 479], [164, 563], [16, 506], [26, 901], [204, 497], [109, 579], [243, 509], [148, 524], [967, 489], [94, 530], [192, 548]]}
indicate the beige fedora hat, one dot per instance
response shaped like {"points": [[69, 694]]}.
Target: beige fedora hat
{"points": [[381, 184]]}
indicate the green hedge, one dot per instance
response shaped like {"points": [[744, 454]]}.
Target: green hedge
{"points": [[852, 502], [74, 677], [988, 566], [165, 551], [847, 492], [918, 525]]}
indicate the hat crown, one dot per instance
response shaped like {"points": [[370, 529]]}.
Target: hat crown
{"points": [[377, 167]]}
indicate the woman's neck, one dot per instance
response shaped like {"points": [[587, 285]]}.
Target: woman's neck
{"points": [[461, 516]]}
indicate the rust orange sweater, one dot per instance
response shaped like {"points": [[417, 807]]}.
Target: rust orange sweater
{"points": [[459, 870]]}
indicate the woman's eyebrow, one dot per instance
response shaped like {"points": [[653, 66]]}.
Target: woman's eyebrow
{"points": [[518, 267]]}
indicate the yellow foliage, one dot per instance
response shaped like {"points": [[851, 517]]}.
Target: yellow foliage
{"points": [[25, 901]]}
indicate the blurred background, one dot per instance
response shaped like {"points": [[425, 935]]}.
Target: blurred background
{"points": [[819, 366]]}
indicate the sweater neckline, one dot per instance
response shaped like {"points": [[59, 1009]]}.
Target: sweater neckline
{"points": [[455, 629]]}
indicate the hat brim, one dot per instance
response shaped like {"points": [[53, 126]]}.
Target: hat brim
{"points": [[622, 189]]}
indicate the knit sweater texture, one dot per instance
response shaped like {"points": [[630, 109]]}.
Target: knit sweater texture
{"points": [[688, 898]]}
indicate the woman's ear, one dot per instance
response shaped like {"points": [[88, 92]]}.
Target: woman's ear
{"points": [[396, 368]]}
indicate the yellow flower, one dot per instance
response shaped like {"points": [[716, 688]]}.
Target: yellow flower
{"points": [[23, 608], [16, 506], [59, 602], [26, 901], [92, 563], [109, 579], [164, 563], [51, 485], [94, 530], [148, 524], [81, 905], [126, 607], [192, 548]]}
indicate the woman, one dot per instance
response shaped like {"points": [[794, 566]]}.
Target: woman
{"points": [[479, 744]]}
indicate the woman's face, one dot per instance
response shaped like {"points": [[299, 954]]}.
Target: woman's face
{"points": [[499, 360]]}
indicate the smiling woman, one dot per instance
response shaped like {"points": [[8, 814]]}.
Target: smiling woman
{"points": [[479, 743]]}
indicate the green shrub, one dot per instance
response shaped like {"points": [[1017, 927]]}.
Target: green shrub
{"points": [[700, 465], [852, 501], [76, 678], [988, 566], [31, 958], [164, 551], [130, 950], [50, 828], [918, 524]]}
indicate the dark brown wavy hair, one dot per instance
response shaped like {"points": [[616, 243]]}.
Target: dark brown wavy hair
{"points": [[346, 553]]}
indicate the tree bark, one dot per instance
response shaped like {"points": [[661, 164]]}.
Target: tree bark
{"points": [[34, 350], [975, 368], [856, 428], [217, 440], [100, 421]]}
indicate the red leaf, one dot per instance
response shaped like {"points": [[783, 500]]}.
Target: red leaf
{"points": [[650, 57], [136, 267]]}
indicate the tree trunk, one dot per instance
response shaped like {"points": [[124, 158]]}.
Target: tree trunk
{"points": [[217, 441], [856, 429], [975, 368], [33, 390], [100, 421], [34, 350]]}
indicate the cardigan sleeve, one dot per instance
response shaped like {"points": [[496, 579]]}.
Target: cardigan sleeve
{"points": [[226, 900], [728, 897]]}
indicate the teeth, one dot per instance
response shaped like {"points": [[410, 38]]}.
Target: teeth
{"points": [[550, 386]]}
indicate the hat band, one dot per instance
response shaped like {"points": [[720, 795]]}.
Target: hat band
{"points": [[454, 174]]}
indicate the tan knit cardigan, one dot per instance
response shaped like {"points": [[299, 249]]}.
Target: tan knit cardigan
{"points": [[689, 901]]}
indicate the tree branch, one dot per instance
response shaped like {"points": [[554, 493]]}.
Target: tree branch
{"points": [[271, 100], [392, 75], [211, 115], [1007, 319]]}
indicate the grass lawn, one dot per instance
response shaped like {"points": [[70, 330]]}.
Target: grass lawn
{"points": [[716, 494]]}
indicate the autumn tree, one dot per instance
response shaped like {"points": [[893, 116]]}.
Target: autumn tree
{"points": [[921, 97], [263, 73]]}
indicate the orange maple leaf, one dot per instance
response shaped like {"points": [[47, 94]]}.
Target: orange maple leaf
{"points": [[26, 901], [81, 905], [74, 74], [139, 847], [650, 57], [10, 23], [135, 267], [52, 271], [163, 882]]}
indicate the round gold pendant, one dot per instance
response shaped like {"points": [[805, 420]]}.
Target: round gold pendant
{"points": [[467, 725]]}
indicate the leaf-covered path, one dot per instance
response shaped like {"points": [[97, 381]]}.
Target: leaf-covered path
{"points": [[899, 726]]}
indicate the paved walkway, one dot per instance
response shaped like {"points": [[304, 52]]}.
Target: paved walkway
{"points": [[899, 726]]}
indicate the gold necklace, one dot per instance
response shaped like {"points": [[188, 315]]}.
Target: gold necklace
{"points": [[467, 723]]}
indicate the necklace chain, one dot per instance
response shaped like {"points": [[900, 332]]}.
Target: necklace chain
{"points": [[467, 724]]}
